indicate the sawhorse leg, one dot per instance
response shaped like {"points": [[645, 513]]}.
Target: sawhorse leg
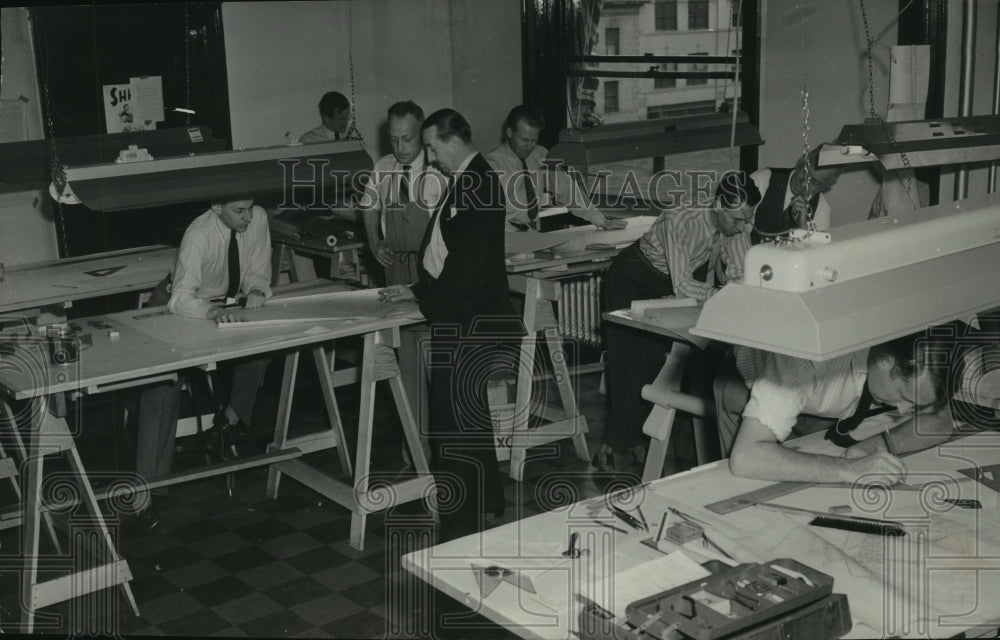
{"points": [[664, 393], [47, 435], [569, 423], [368, 492]]}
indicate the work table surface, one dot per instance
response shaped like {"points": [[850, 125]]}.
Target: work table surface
{"points": [[937, 581]]}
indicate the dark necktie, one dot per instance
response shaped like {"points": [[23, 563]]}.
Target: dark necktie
{"points": [[404, 185], [233, 265], [529, 191], [838, 433]]}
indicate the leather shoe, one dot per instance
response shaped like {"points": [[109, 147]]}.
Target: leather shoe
{"points": [[235, 440], [150, 522]]}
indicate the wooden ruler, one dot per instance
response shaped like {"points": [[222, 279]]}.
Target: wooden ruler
{"points": [[779, 489]]}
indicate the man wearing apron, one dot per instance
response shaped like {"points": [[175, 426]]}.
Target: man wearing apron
{"points": [[397, 204]]}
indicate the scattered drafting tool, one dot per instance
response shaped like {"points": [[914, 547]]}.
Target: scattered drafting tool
{"points": [[489, 578], [988, 476], [844, 522]]}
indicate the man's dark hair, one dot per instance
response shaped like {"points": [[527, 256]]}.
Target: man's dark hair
{"points": [[406, 108], [529, 114], [332, 102], [941, 357], [450, 124], [226, 198], [736, 188]]}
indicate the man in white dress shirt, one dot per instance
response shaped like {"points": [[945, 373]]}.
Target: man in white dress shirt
{"points": [[519, 161]]}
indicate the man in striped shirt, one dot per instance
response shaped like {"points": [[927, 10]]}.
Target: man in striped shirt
{"points": [[688, 252], [780, 395]]}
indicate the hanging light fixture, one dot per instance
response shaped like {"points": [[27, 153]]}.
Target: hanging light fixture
{"points": [[821, 295]]}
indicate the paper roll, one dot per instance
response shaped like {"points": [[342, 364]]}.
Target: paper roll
{"points": [[331, 240]]}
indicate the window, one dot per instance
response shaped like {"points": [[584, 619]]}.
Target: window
{"points": [[611, 41], [697, 14], [737, 13], [610, 96], [666, 83], [666, 15], [698, 66]]}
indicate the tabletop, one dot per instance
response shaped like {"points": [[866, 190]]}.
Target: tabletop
{"points": [[933, 582], [152, 341], [39, 284]]}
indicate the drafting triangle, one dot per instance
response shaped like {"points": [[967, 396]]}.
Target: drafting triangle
{"points": [[988, 476], [107, 271]]}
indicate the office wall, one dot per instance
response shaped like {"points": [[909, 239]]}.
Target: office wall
{"points": [[27, 228], [282, 56], [825, 40]]}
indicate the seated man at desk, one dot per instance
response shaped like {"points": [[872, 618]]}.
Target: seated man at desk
{"points": [[225, 255], [779, 395], [790, 197], [335, 113], [519, 161], [687, 252]]}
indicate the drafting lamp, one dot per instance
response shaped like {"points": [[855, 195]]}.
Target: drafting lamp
{"points": [[189, 178], [823, 295]]}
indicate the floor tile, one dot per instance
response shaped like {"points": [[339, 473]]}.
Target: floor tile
{"points": [[346, 576], [327, 608], [368, 594], [200, 623], [195, 574], [269, 575], [219, 544], [317, 560], [169, 607], [283, 623], [360, 625], [172, 558], [216, 592], [297, 591], [243, 559], [290, 544], [264, 530], [244, 609]]}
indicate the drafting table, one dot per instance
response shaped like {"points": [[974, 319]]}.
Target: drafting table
{"points": [[939, 580], [664, 391], [538, 280], [536, 265], [342, 254], [59, 282], [152, 346]]}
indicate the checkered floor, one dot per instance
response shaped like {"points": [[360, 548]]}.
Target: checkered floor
{"points": [[250, 566]]}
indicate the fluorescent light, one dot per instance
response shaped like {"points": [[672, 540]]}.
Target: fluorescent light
{"points": [[875, 281]]}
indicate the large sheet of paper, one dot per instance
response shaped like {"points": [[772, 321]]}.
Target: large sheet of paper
{"points": [[323, 307], [577, 238]]}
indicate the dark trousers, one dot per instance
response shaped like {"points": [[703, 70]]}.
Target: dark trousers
{"points": [[463, 457], [159, 407], [634, 356]]}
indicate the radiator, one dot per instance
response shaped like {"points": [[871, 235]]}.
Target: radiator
{"points": [[579, 308]]}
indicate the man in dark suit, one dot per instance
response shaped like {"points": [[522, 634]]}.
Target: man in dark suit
{"points": [[475, 330]]}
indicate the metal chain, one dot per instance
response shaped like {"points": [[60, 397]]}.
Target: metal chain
{"points": [[874, 118], [810, 214], [353, 128], [55, 165]]}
